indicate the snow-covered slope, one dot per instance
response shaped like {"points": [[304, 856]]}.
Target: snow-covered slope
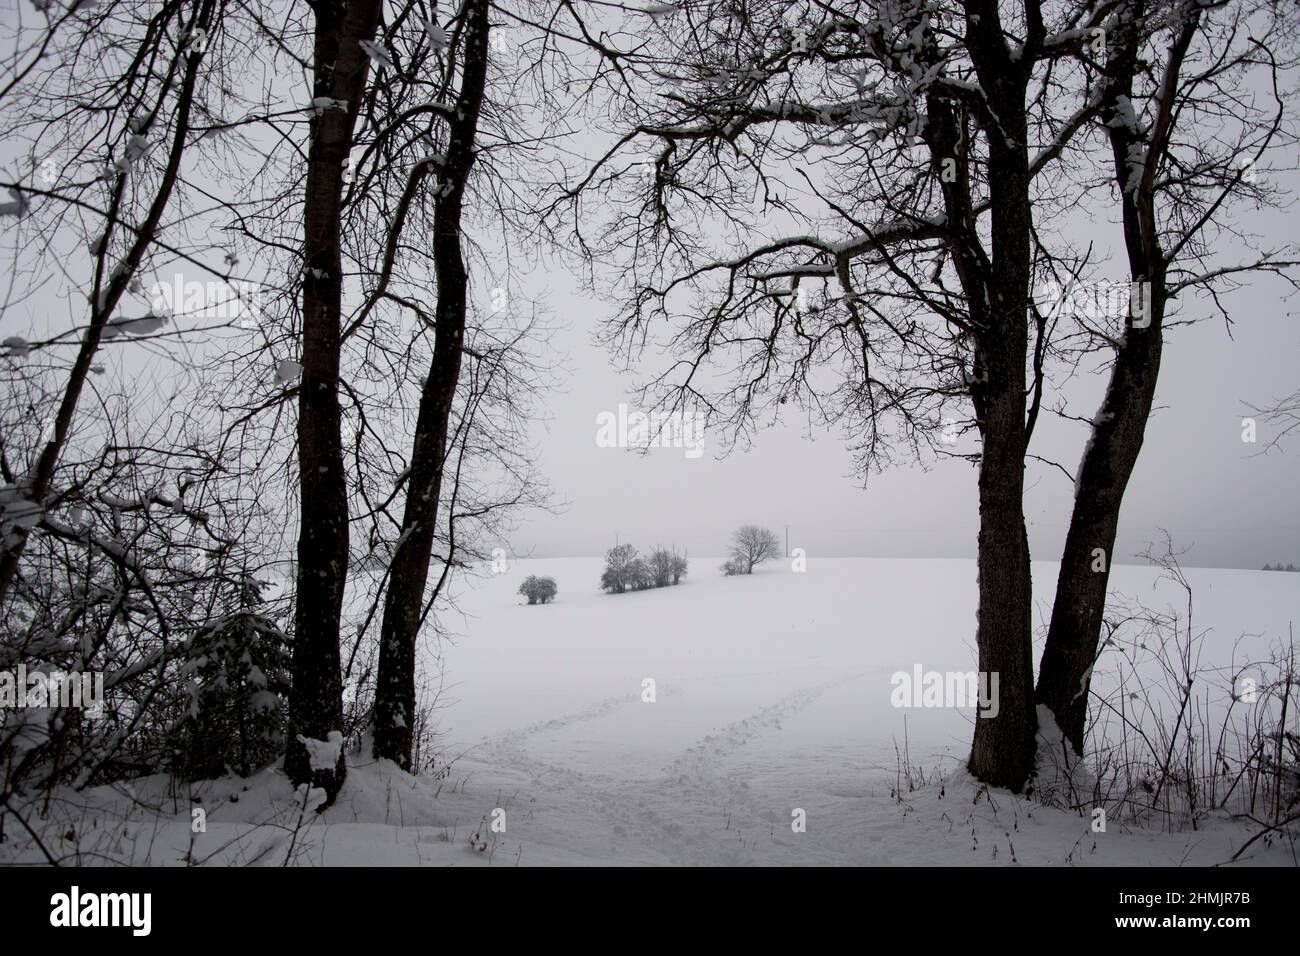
{"points": [[772, 702]]}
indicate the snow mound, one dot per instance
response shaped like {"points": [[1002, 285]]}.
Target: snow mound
{"points": [[1061, 779]]}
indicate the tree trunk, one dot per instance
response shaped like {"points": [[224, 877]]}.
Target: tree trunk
{"points": [[1075, 630], [1074, 634], [404, 601], [1003, 745], [316, 702], [1002, 751]]}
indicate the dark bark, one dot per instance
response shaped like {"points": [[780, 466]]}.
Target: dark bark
{"points": [[1002, 749], [408, 576], [1074, 633], [316, 704], [1075, 629], [996, 289]]}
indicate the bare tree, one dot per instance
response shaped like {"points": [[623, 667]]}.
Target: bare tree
{"points": [[160, 85], [933, 263], [1189, 139], [360, 159], [140, 527], [395, 692], [837, 103], [340, 65], [751, 545], [432, 389]]}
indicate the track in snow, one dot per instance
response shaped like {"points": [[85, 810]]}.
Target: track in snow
{"points": [[693, 811]]}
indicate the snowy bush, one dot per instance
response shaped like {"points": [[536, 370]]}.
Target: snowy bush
{"points": [[640, 576], [621, 569], [538, 590], [626, 571], [125, 604], [734, 566], [237, 679], [660, 567], [665, 567]]}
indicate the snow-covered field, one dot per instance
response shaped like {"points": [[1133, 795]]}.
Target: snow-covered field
{"points": [[772, 695]]}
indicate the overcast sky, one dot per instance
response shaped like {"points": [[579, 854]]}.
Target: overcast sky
{"points": [[1222, 500], [1218, 497]]}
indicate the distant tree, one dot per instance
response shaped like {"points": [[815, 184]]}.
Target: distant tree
{"points": [[621, 569], [1268, 567], [679, 568], [1290, 567], [538, 590], [752, 545]]}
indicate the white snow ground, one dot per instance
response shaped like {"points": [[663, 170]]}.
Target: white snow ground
{"points": [[773, 694]]}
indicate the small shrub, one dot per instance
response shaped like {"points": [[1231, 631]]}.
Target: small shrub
{"points": [[665, 567], [538, 590], [626, 571], [640, 577], [735, 566], [237, 679], [622, 569], [660, 567]]}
